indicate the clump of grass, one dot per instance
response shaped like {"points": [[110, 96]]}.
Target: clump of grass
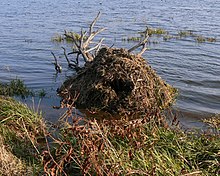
{"points": [[132, 39], [202, 39], [138, 147], [10, 164], [42, 93], [211, 39], [156, 31], [214, 122], [57, 38], [15, 87], [61, 37], [167, 37], [71, 33], [159, 32], [198, 38], [21, 131], [188, 33], [151, 32]]}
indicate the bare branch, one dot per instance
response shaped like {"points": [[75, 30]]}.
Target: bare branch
{"points": [[77, 58], [83, 34], [74, 52], [141, 43], [58, 68], [91, 36], [97, 47], [55, 58], [82, 45], [68, 61], [93, 23], [64, 50], [142, 51], [75, 41]]}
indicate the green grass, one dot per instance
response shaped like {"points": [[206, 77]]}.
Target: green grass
{"points": [[133, 148], [186, 33], [156, 31], [115, 147], [179, 35], [61, 37], [21, 133], [15, 87], [128, 39]]}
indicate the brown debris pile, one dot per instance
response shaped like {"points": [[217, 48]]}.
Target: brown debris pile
{"points": [[119, 83]]}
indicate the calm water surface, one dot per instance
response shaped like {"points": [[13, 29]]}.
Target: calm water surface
{"points": [[27, 27]]}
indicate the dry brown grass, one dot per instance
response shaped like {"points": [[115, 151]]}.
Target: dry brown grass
{"points": [[137, 147], [79, 146]]}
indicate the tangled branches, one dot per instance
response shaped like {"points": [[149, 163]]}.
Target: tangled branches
{"points": [[85, 47]]}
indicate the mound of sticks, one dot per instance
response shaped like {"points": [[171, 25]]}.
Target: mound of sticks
{"points": [[114, 80]]}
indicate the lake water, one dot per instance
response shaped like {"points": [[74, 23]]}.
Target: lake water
{"points": [[27, 27]]}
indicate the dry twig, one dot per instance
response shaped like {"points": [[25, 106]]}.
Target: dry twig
{"points": [[142, 43], [82, 45]]}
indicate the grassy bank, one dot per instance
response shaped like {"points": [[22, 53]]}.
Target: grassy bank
{"points": [[20, 135], [114, 147], [134, 148]]}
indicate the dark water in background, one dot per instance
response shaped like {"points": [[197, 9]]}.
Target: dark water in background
{"points": [[27, 27]]}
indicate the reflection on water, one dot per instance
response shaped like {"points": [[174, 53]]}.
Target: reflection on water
{"points": [[28, 25]]}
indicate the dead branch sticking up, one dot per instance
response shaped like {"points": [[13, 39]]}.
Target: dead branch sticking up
{"points": [[142, 43], [82, 45]]}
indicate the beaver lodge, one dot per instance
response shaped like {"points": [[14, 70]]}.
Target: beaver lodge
{"points": [[113, 80]]}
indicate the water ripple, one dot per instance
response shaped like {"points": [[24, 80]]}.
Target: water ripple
{"points": [[27, 28]]}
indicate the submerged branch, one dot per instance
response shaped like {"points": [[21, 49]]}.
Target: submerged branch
{"points": [[58, 68]]}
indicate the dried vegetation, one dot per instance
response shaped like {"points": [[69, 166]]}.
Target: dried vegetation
{"points": [[80, 146], [113, 80], [10, 164], [131, 147], [138, 142], [131, 137], [119, 83]]}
